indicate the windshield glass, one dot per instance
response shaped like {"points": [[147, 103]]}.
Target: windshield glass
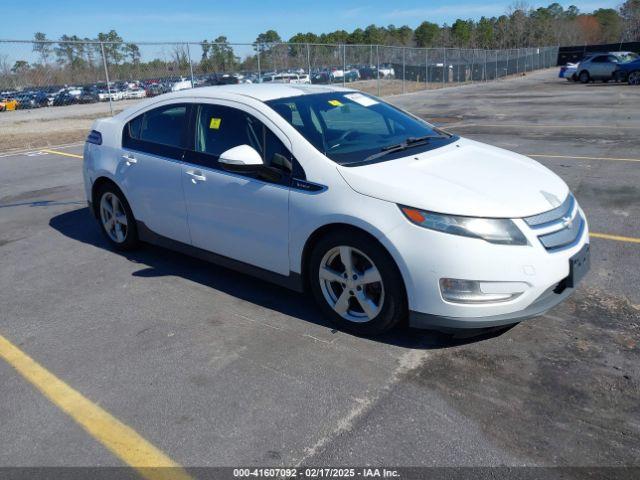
{"points": [[353, 128], [628, 57]]}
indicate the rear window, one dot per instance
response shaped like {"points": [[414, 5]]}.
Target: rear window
{"points": [[162, 126]]}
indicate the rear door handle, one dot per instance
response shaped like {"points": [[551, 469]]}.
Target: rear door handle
{"points": [[129, 159], [196, 176]]}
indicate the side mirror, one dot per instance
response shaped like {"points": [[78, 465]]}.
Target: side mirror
{"points": [[241, 158]]}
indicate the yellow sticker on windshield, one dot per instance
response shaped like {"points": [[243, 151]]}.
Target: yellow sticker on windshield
{"points": [[214, 124], [335, 103]]}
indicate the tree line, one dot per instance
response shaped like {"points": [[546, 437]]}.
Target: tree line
{"points": [[519, 27]]}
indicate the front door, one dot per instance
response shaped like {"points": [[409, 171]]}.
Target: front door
{"points": [[243, 217]]}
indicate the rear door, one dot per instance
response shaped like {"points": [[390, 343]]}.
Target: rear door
{"points": [[150, 170], [241, 216]]}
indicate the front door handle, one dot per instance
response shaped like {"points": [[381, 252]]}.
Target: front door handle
{"points": [[196, 176], [129, 159]]}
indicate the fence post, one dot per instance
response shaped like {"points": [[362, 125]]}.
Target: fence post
{"points": [[496, 78], [190, 66], [309, 61], [378, 68], [426, 68], [404, 63], [344, 64], [485, 65], [106, 74], [444, 64], [258, 56], [473, 58]]}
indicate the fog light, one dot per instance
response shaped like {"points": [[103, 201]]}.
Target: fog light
{"points": [[472, 291]]}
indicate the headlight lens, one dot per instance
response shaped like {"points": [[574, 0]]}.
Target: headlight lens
{"points": [[494, 230]]}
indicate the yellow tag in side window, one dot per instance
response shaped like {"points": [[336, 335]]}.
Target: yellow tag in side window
{"points": [[214, 124], [335, 103]]}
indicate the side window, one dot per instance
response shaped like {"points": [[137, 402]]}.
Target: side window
{"points": [[164, 125], [600, 59], [275, 153], [160, 131], [133, 128], [219, 128]]}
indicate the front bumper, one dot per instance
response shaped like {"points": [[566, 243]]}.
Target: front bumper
{"points": [[545, 302], [426, 256]]}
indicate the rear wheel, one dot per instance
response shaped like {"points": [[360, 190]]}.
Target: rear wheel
{"points": [[116, 218], [584, 77], [356, 283], [634, 78]]}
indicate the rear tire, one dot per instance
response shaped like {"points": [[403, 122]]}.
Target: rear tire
{"points": [[584, 77], [634, 78], [116, 219], [362, 293]]}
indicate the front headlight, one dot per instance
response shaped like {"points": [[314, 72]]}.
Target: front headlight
{"points": [[494, 230]]}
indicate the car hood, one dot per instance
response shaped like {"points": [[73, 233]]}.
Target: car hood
{"points": [[462, 178]]}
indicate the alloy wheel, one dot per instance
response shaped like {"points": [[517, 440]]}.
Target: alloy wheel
{"points": [[114, 218], [634, 78], [351, 284]]}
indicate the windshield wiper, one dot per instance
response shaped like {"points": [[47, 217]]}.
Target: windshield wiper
{"points": [[398, 147], [410, 141]]}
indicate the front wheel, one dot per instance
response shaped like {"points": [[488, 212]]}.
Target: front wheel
{"points": [[584, 77], [356, 283], [634, 78]]}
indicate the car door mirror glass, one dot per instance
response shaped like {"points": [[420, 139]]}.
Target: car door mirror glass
{"points": [[242, 157]]}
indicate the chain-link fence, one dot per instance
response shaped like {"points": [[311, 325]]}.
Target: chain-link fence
{"points": [[49, 74]]}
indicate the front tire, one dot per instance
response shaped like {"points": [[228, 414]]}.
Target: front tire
{"points": [[356, 283], [634, 78], [116, 219], [584, 77]]}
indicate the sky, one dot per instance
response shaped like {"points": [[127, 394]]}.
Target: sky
{"points": [[238, 20]]}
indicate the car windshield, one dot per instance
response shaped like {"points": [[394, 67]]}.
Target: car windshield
{"points": [[353, 128], [628, 57]]}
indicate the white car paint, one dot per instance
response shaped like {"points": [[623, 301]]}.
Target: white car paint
{"points": [[268, 226]]}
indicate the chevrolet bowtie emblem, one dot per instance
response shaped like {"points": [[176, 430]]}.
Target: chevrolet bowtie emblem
{"points": [[567, 222]]}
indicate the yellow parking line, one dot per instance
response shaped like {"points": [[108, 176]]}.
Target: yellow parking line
{"points": [[66, 154], [617, 238], [613, 159], [120, 439]]}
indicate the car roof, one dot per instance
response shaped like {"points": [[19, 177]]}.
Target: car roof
{"points": [[261, 92]]}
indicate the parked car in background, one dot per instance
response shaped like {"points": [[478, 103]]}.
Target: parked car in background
{"points": [[89, 95], [8, 103], [28, 100], [351, 75], [65, 98], [368, 73], [629, 72], [387, 71], [134, 93], [291, 78], [569, 71], [322, 77], [154, 89], [182, 84], [601, 66]]}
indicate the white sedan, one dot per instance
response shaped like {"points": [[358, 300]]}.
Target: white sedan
{"points": [[380, 215]]}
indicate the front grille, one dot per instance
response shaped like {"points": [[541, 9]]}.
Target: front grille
{"points": [[559, 228]]}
